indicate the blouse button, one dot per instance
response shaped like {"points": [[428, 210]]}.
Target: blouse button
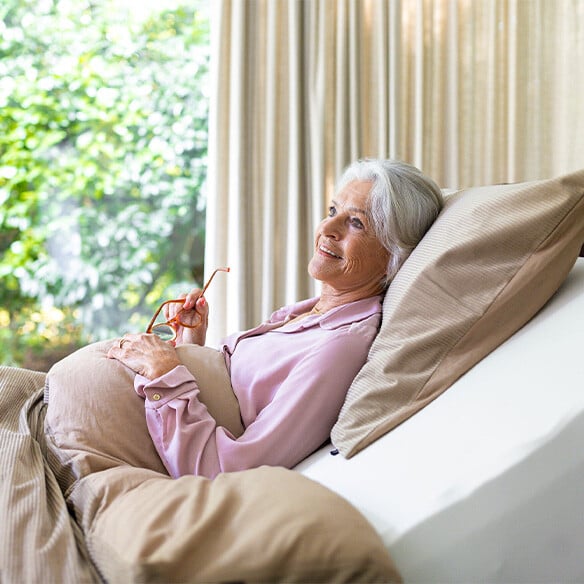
{"points": [[156, 396]]}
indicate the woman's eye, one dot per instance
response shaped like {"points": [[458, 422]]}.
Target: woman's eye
{"points": [[356, 222], [332, 212]]}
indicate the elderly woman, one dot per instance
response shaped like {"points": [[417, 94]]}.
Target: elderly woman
{"points": [[291, 374]]}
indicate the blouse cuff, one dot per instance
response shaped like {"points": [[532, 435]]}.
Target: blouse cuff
{"points": [[162, 389]]}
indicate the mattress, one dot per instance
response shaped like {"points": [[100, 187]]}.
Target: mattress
{"points": [[485, 483]]}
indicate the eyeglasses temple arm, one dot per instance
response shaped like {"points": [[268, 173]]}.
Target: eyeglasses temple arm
{"points": [[211, 278]]}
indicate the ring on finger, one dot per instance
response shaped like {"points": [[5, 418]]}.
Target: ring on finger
{"points": [[122, 341]]}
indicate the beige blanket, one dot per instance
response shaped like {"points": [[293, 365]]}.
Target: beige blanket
{"points": [[39, 541], [129, 524]]}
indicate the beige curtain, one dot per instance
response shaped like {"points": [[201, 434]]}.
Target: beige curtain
{"points": [[471, 91]]}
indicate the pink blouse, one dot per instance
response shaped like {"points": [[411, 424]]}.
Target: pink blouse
{"points": [[290, 379]]}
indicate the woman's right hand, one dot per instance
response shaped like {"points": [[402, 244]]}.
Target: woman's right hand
{"points": [[194, 307]]}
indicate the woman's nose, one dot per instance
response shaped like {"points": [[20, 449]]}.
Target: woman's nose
{"points": [[332, 227]]}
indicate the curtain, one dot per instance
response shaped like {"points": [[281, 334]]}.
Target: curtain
{"points": [[470, 91]]}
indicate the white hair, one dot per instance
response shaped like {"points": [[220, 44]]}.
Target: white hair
{"points": [[403, 203]]}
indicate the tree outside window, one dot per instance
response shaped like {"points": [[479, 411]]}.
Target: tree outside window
{"points": [[103, 157]]}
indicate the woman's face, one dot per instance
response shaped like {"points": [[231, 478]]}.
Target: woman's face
{"points": [[347, 255]]}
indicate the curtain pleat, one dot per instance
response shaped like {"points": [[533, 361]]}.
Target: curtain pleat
{"points": [[471, 91]]}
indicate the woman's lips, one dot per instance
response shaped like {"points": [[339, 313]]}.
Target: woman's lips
{"points": [[328, 252]]}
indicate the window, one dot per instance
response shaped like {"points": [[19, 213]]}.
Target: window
{"points": [[103, 145]]}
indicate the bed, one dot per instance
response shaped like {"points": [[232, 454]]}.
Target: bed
{"points": [[486, 482], [455, 456]]}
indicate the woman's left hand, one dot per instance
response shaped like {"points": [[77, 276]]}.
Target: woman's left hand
{"points": [[194, 310], [145, 354]]}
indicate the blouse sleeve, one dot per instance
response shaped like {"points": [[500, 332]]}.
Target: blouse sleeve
{"points": [[296, 422]]}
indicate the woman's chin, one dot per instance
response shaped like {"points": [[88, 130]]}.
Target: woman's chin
{"points": [[317, 271]]}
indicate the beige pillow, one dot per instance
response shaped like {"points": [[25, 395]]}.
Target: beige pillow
{"points": [[266, 524], [95, 419], [492, 259]]}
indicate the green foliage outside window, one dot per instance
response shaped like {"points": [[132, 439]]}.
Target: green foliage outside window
{"points": [[103, 145]]}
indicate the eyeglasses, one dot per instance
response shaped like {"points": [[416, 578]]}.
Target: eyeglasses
{"points": [[167, 330]]}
